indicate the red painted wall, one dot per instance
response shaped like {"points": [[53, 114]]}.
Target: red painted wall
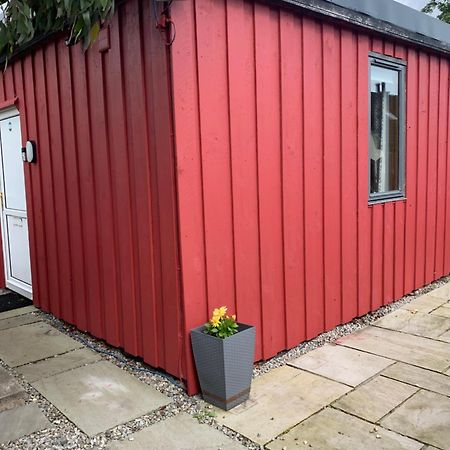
{"points": [[271, 127], [101, 198]]}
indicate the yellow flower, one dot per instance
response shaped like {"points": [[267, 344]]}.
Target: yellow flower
{"points": [[233, 316], [215, 321], [220, 312]]}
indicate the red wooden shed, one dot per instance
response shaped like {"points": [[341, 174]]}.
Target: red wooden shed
{"points": [[286, 158]]}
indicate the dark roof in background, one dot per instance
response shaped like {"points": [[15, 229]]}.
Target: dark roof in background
{"points": [[383, 16]]}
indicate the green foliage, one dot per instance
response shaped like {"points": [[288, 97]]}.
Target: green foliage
{"points": [[442, 6], [225, 327], [204, 414], [24, 20]]}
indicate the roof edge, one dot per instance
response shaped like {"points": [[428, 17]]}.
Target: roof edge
{"points": [[374, 22]]}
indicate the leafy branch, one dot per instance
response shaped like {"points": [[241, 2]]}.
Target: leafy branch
{"points": [[442, 6], [21, 21]]}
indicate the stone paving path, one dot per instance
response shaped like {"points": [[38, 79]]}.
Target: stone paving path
{"points": [[385, 387], [391, 388]]}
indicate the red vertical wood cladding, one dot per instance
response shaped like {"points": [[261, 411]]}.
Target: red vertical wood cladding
{"points": [[47, 183], [19, 91], [268, 113], [432, 174], [244, 170], [422, 167], [287, 119], [442, 142], [101, 198], [313, 175], [75, 250], [399, 222], [332, 179], [349, 173], [447, 195], [189, 178], [364, 213], [213, 79], [412, 135], [33, 183], [292, 180]]}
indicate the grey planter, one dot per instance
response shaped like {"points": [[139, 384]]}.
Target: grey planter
{"points": [[224, 366]]}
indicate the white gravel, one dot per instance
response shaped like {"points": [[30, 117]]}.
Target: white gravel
{"points": [[65, 435]]}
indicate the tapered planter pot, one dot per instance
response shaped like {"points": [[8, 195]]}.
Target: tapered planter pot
{"points": [[224, 366]]}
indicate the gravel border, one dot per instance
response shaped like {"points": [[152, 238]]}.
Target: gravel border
{"points": [[65, 435]]}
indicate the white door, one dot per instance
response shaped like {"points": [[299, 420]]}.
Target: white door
{"points": [[14, 209]]}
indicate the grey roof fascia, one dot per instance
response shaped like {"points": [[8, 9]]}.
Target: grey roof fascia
{"points": [[386, 17]]}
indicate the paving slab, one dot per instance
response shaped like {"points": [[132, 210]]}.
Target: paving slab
{"points": [[376, 398], [279, 400], [17, 321], [445, 337], [11, 392], [416, 350], [419, 377], [442, 311], [424, 304], [342, 364], [21, 421], [100, 396], [441, 292], [425, 416], [333, 429], [60, 363], [17, 312], [33, 342], [426, 325], [181, 432]]}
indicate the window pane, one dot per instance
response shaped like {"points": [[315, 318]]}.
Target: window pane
{"points": [[384, 130]]}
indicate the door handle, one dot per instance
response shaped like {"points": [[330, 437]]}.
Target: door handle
{"points": [[1, 199]]}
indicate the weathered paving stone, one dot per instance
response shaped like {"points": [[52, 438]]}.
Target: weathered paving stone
{"points": [[333, 429], [33, 342], [376, 398], [17, 312], [441, 292], [442, 311], [445, 337], [424, 304], [11, 393], [422, 378], [60, 363], [342, 364], [17, 321], [181, 432], [426, 325], [21, 421], [279, 400], [99, 396], [416, 350], [425, 417]]}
